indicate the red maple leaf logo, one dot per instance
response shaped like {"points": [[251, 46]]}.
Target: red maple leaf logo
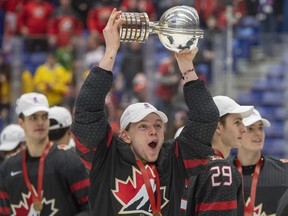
{"points": [[132, 193], [126, 190], [25, 205]]}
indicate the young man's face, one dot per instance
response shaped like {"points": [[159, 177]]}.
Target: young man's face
{"points": [[146, 137], [36, 126], [232, 131], [253, 139]]}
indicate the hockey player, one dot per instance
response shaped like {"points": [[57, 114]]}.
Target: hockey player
{"points": [[43, 179], [136, 172]]}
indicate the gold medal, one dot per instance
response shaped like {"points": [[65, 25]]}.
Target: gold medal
{"points": [[157, 213], [38, 206]]}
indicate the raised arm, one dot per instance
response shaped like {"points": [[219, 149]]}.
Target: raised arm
{"points": [[112, 40], [185, 63]]}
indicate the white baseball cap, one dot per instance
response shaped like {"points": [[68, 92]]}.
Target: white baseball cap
{"points": [[254, 117], [136, 112], [31, 103], [11, 136], [227, 105], [62, 115]]}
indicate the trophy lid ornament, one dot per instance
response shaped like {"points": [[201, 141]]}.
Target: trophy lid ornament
{"points": [[177, 29]]}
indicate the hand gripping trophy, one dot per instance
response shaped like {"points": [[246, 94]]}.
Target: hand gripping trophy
{"points": [[178, 28]]}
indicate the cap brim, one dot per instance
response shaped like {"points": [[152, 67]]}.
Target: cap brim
{"points": [[244, 111], [251, 121], [33, 110], [147, 112], [8, 146]]}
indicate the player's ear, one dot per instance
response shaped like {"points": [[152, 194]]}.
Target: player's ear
{"points": [[20, 122], [125, 136], [219, 128]]}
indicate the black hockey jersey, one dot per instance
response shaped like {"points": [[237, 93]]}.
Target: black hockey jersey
{"points": [[216, 190], [116, 180], [272, 183], [65, 184]]}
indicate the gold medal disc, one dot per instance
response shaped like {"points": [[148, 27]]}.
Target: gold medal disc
{"points": [[38, 206], [157, 214]]}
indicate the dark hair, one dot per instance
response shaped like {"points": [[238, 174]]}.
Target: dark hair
{"points": [[222, 119], [57, 133], [21, 116]]}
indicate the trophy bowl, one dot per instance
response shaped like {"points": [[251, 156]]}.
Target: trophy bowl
{"points": [[179, 28]]}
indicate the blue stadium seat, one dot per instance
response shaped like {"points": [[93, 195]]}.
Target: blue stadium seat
{"points": [[276, 130], [38, 58], [273, 98], [249, 98], [276, 71], [274, 147], [273, 84]]}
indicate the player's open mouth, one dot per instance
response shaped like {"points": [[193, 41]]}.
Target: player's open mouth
{"points": [[153, 145]]}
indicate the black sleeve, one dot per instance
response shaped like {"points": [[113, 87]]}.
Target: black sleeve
{"points": [[282, 208], [195, 139], [90, 127]]}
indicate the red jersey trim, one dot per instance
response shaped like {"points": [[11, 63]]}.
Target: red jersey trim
{"points": [[229, 205], [80, 146], [110, 135], [87, 164], [3, 195], [195, 162], [80, 185], [83, 200], [5, 211]]}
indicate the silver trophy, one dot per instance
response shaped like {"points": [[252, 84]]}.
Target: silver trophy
{"points": [[178, 28]]}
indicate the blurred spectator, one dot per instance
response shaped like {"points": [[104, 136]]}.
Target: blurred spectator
{"points": [[27, 81], [66, 57], [131, 64], [179, 120], [52, 80], [208, 8], [140, 6], [97, 18], [65, 26], [167, 81], [10, 9], [278, 11], [95, 51], [12, 141], [140, 87], [204, 59], [163, 5], [5, 91], [82, 7], [59, 130], [33, 24]]}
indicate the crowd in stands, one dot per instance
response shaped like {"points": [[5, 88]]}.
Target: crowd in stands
{"points": [[55, 26]]}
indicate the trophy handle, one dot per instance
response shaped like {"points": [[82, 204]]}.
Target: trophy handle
{"points": [[136, 27]]}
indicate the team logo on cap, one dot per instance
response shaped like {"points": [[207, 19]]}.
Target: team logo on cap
{"points": [[35, 100], [147, 106]]}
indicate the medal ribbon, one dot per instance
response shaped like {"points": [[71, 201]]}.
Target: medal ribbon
{"points": [[155, 208], [218, 153], [35, 197], [250, 208]]}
